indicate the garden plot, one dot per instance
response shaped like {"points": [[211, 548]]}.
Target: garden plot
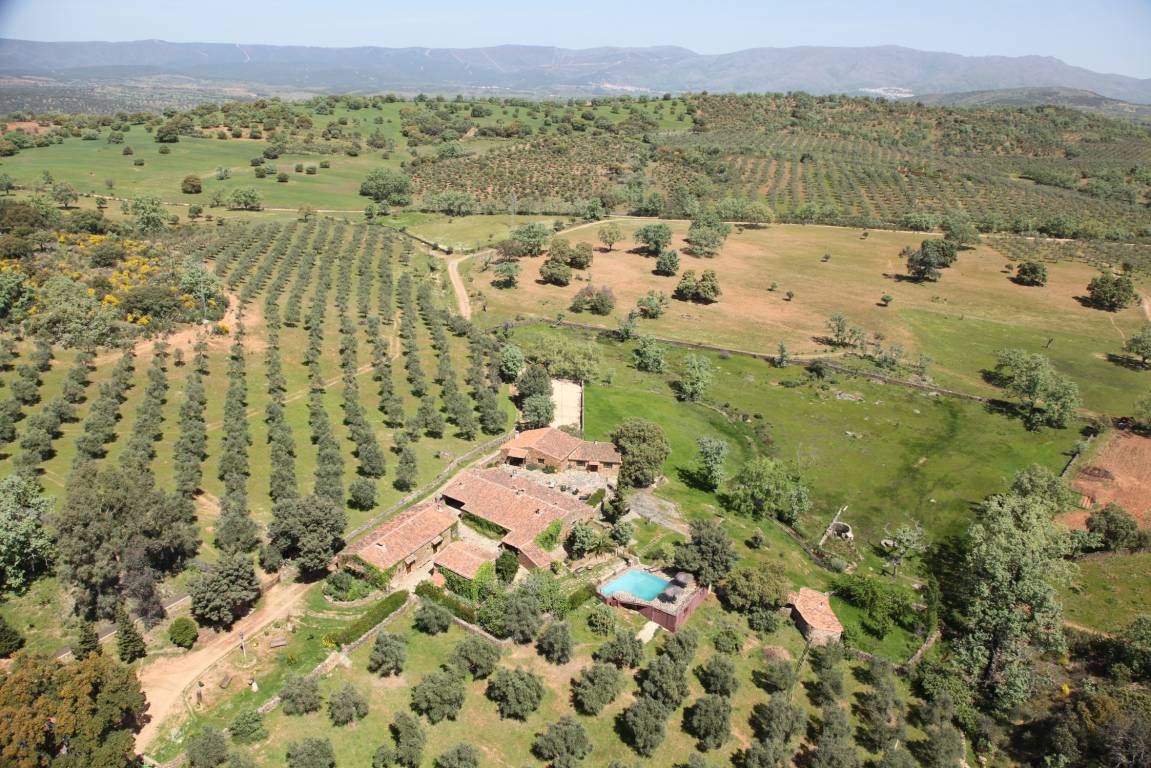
{"points": [[1120, 473]]}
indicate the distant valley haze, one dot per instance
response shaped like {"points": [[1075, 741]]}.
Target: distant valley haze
{"points": [[889, 70]]}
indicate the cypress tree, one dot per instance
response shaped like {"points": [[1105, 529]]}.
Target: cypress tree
{"points": [[129, 643], [87, 642]]}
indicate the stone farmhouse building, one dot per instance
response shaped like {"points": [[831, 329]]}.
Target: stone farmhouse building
{"points": [[555, 449], [812, 613]]}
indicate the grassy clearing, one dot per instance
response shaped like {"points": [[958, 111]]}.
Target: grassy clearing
{"points": [[470, 232], [269, 668], [1108, 592], [890, 454], [959, 322]]}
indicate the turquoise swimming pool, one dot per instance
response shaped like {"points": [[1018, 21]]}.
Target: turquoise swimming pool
{"points": [[642, 584]]}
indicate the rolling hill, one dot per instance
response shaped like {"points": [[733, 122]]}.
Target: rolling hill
{"points": [[539, 70], [1031, 97]]}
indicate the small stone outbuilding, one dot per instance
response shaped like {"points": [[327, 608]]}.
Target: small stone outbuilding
{"points": [[812, 613]]}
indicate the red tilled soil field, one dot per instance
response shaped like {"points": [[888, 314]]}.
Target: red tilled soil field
{"points": [[28, 126], [1120, 473]]}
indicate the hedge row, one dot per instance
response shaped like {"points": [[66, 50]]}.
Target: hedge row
{"points": [[370, 618], [580, 596], [458, 608]]}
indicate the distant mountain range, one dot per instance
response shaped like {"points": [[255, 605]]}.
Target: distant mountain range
{"points": [[540, 70]]}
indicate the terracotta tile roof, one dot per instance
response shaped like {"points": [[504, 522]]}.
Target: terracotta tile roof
{"points": [[815, 608], [537, 556], [519, 505], [403, 534], [464, 558], [547, 440], [596, 452]]}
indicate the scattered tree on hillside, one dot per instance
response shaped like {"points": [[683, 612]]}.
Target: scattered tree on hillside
{"points": [[308, 530], [1139, 345], [1111, 292], [649, 355], [386, 186], [1033, 273], [764, 486], [459, 756], [595, 687], [709, 554], [1010, 606], [516, 692], [129, 642], [300, 695], [644, 725], [1116, 528], [654, 237], [389, 652], [555, 643], [609, 234], [531, 237], [667, 263], [564, 743], [644, 449], [225, 593], [476, 656], [928, 261], [25, 547], [311, 752], [1047, 397], [696, 378], [712, 456], [709, 720]]}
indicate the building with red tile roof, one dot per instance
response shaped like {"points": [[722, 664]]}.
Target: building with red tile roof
{"points": [[520, 507], [407, 542], [811, 610], [463, 558], [551, 447]]}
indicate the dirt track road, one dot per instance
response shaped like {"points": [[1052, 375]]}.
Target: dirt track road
{"points": [[458, 286], [165, 679]]}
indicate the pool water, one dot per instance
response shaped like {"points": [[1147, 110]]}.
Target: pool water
{"points": [[642, 584]]}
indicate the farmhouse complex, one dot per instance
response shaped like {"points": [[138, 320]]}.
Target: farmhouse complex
{"points": [[520, 514]]}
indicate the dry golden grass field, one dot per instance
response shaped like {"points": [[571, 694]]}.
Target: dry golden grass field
{"points": [[960, 321]]}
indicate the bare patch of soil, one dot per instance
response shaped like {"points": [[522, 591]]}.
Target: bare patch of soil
{"points": [[1119, 473]]}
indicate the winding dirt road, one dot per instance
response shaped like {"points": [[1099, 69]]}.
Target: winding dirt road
{"points": [[165, 679]]}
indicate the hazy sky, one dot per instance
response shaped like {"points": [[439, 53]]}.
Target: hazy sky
{"points": [[1104, 35]]}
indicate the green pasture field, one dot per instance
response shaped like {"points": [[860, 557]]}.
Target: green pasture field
{"points": [[87, 165], [464, 232], [960, 321], [1109, 592], [890, 454]]}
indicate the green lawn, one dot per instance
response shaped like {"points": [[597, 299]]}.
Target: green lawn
{"points": [[469, 232], [1108, 592]]}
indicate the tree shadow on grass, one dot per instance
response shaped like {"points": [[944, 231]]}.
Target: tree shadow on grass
{"points": [[694, 478], [1127, 361]]}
